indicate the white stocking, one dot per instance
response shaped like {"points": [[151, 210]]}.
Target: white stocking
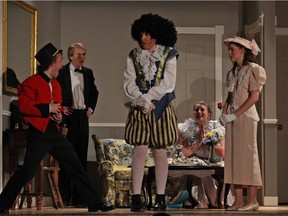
{"points": [[138, 164], [161, 170]]}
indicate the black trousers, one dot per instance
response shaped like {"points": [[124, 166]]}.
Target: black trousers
{"points": [[38, 146], [78, 135]]}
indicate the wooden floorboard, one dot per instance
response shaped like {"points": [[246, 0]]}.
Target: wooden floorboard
{"points": [[267, 211]]}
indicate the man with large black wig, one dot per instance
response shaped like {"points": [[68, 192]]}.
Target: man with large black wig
{"points": [[149, 82]]}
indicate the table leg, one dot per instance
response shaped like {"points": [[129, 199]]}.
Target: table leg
{"points": [[220, 182]]}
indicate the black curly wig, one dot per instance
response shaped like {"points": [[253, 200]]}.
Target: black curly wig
{"points": [[161, 29]]}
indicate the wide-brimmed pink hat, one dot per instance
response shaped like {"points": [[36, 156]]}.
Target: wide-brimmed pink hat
{"points": [[252, 45]]}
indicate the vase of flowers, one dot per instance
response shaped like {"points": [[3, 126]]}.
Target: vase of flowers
{"points": [[211, 138], [212, 158]]}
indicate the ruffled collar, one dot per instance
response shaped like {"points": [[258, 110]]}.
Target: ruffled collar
{"points": [[190, 130], [148, 61]]}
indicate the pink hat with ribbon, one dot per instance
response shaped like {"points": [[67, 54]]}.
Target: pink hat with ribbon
{"points": [[252, 45]]}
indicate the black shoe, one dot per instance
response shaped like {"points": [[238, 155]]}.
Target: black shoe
{"points": [[137, 208], [106, 208], [160, 204], [137, 204], [188, 206], [103, 208]]}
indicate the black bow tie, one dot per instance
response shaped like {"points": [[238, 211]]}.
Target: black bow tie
{"points": [[78, 70]]}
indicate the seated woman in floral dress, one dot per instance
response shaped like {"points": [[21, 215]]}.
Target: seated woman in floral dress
{"points": [[202, 191]]}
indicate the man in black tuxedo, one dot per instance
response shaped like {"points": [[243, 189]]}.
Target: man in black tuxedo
{"points": [[80, 96]]}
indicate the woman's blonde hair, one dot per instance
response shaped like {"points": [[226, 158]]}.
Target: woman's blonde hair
{"points": [[204, 104], [72, 47]]}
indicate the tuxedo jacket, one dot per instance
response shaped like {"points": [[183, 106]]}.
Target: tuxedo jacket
{"points": [[90, 90], [34, 99]]}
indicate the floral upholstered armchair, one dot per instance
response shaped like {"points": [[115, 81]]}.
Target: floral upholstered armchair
{"points": [[114, 158]]}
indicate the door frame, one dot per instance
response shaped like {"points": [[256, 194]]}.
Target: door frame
{"points": [[250, 31], [279, 32]]}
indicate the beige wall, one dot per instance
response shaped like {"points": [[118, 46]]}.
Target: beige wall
{"points": [[105, 30], [104, 27]]}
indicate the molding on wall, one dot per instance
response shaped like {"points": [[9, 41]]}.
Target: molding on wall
{"points": [[219, 31], [270, 121], [196, 30], [106, 124], [6, 113], [281, 31], [270, 201]]}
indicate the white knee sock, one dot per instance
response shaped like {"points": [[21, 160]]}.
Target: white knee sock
{"points": [[161, 170], [138, 164]]}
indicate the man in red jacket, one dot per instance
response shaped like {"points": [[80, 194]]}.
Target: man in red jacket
{"points": [[40, 105]]}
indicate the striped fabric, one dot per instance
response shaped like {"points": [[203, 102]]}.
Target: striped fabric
{"points": [[143, 129]]}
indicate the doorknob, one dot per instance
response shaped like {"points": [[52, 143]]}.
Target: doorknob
{"points": [[279, 127]]}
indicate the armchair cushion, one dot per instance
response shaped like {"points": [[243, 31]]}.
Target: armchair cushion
{"points": [[117, 151]]}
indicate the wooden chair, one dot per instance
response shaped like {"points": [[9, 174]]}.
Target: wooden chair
{"points": [[52, 172], [28, 194]]}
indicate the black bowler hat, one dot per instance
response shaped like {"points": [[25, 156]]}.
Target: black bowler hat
{"points": [[44, 55]]}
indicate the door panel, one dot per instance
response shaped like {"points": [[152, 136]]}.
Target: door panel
{"points": [[282, 110], [195, 73]]}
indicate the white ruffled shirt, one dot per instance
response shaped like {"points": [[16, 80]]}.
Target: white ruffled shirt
{"points": [[147, 61]]}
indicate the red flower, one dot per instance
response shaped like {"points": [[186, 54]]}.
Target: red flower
{"points": [[219, 105]]}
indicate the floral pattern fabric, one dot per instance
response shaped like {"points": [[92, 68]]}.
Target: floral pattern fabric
{"points": [[115, 170]]}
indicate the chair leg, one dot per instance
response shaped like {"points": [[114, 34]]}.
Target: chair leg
{"points": [[26, 194], [54, 197], [56, 189], [23, 197]]}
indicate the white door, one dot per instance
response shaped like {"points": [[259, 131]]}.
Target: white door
{"points": [[195, 73], [282, 116]]}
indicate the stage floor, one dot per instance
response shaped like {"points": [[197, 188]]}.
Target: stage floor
{"points": [[266, 211]]}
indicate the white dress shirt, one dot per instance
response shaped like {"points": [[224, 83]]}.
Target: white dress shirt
{"points": [[77, 85]]}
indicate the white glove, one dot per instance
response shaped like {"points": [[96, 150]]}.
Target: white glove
{"points": [[147, 108], [221, 120], [226, 118], [138, 102], [148, 105], [229, 118], [143, 104]]}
